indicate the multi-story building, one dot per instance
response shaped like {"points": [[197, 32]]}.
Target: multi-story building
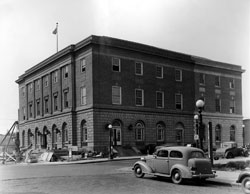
{"points": [[148, 94]]}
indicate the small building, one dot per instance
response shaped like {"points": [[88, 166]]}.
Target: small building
{"points": [[148, 94]]}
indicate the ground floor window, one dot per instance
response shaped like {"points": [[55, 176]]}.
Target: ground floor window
{"points": [[139, 131], [232, 133], [160, 132]]}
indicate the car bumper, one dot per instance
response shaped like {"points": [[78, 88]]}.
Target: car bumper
{"points": [[203, 176]]}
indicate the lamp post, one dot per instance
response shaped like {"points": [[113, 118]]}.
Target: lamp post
{"points": [[110, 141], [200, 105], [196, 130]]}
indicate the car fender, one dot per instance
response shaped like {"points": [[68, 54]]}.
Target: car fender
{"points": [[145, 168], [242, 176], [185, 171]]}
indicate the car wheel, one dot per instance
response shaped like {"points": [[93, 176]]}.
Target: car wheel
{"points": [[246, 154], [138, 171], [245, 185], [229, 155], [176, 176]]}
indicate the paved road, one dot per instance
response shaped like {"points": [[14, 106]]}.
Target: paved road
{"points": [[97, 178]]}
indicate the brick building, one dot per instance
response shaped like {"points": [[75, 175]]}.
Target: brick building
{"points": [[148, 94]]}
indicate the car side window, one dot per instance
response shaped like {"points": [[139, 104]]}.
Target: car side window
{"points": [[176, 154], [162, 153]]}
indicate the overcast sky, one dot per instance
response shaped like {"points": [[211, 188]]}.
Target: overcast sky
{"points": [[214, 29]]}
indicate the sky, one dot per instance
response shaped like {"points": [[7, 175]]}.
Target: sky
{"points": [[214, 29]]}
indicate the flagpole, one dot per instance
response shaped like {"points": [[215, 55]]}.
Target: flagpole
{"points": [[57, 37]]}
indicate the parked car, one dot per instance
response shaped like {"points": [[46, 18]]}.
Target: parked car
{"points": [[178, 162], [244, 179], [230, 150]]}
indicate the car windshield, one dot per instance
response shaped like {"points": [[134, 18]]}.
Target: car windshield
{"points": [[197, 154]]}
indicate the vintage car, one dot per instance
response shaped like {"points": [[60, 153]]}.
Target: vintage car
{"points": [[230, 150], [244, 179], [178, 162]]}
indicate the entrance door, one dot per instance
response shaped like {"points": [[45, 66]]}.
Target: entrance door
{"points": [[117, 138]]}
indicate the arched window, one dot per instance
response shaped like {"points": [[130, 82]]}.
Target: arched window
{"points": [[65, 138], [160, 131], [139, 131], [232, 133], [218, 135], [23, 138], [29, 137], [179, 128], [117, 132], [54, 137], [84, 133], [36, 138]]}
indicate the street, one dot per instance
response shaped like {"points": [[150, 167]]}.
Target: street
{"points": [[106, 177]]}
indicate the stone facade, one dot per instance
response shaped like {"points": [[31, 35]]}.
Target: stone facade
{"points": [[68, 99]]}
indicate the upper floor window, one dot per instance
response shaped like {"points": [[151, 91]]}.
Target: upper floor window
{"points": [[55, 99], [65, 99], [46, 81], [55, 76], [178, 75], [66, 71], [178, 101], [83, 65], [231, 83], [46, 105], [24, 113], [38, 107], [217, 81], [232, 106], [38, 85], [116, 64], [138, 68], [159, 71], [23, 91], [83, 96], [30, 87], [116, 95], [202, 78], [159, 99], [139, 97], [30, 108], [217, 104]]}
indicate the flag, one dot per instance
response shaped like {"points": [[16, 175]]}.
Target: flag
{"points": [[55, 31]]}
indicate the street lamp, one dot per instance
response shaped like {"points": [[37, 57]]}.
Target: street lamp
{"points": [[196, 130], [200, 105], [110, 141]]}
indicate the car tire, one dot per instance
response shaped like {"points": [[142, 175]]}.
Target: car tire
{"points": [[176, 176], [229, 155], [245, 185], [138, 171]]}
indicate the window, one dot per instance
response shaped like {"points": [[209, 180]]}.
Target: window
{"points": [[23, 138], [65, 98], [178, 75], [37, 85], [139, 97], [84, 133], [23, 91], [54, 137], [232, 133], [116, 64], [160, 132], [197, 154], [159, 72], [55, 99], [46, 105], [232, 106], [66, 71], [30, 109], [139, 131], [178, 101], [83, 96], [176, 154], [83, 65], [116, 95], [159, 99], [217, 81], [218, 135], [24, 113], [46, 81], [138, 68], [30, 87], [217, 104], [231, 83], [202, 78], [162, 153], [179, 133], [55, 76], [38, 107], [65, 134]]}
